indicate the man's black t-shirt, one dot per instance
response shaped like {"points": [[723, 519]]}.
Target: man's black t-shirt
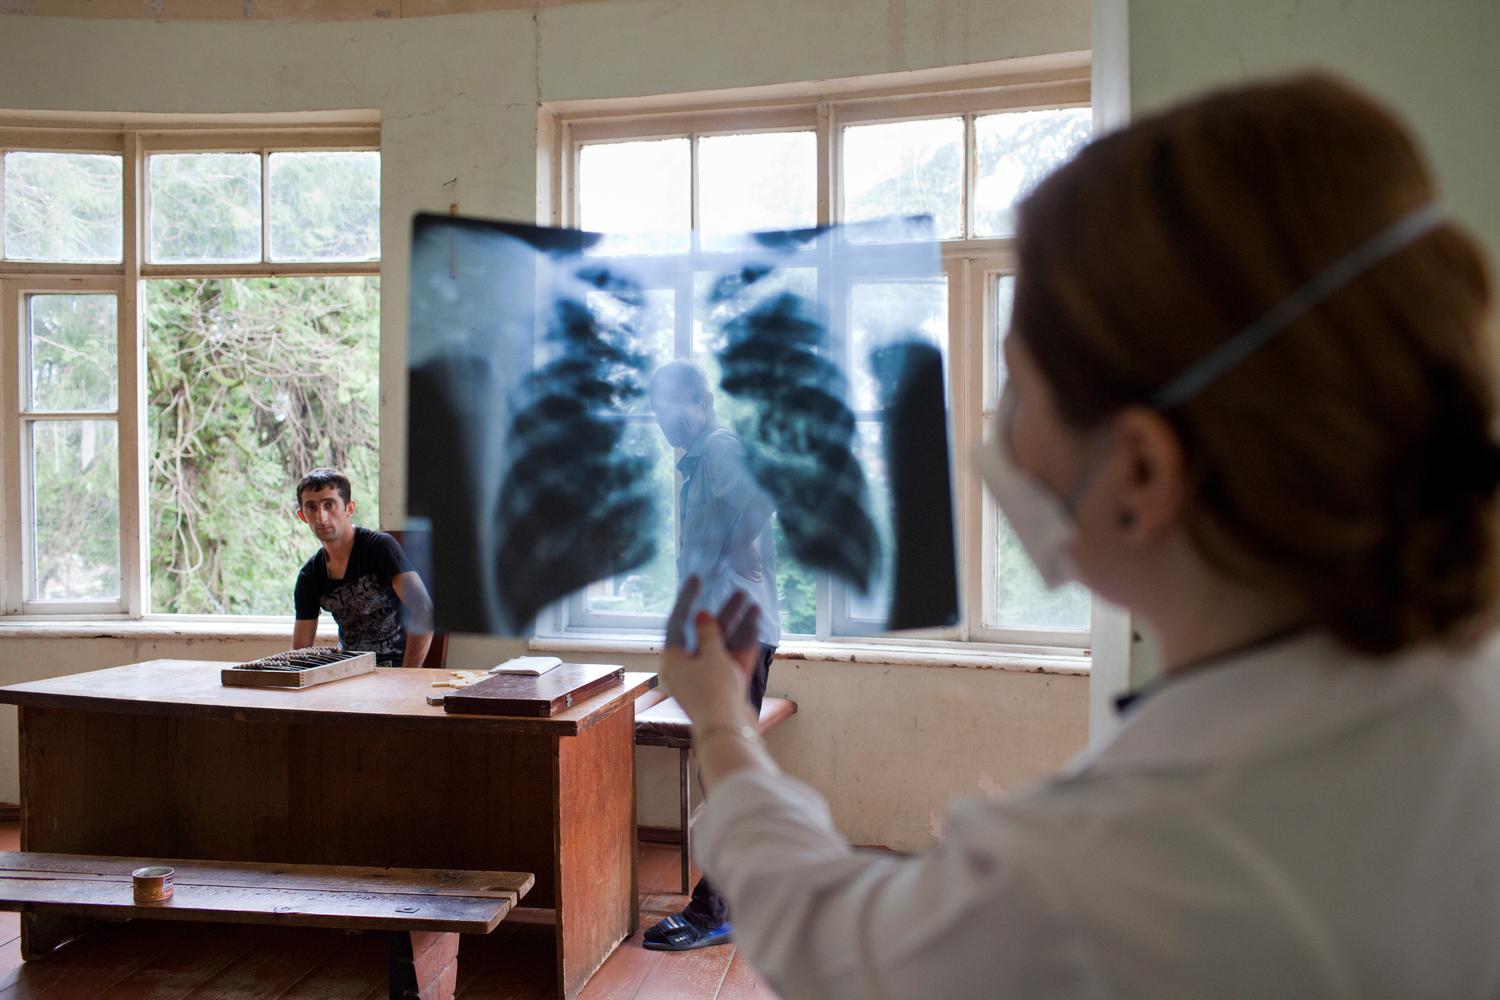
{"points": [[363, 603]]}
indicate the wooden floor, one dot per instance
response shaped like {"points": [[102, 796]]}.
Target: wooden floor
{"points": [[200, 961]]}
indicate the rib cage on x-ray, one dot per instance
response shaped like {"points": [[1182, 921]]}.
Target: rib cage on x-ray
{"points": [[573, 507], [527, 365], [522, 356], [800, 440]]}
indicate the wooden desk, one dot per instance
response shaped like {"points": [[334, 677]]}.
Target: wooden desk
{"points": [[158, 759]]}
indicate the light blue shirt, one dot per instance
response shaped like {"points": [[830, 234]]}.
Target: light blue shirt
{"points": [[717, 490]]}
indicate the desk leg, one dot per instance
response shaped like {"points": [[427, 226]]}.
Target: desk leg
{"points": [[423, 965], [57, 771], [596, 904]]}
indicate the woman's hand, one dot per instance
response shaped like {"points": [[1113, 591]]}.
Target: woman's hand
{"points": [[711, 683]]}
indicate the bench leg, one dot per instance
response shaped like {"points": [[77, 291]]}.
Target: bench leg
{"points": [[684, 797], [424, 965], [44, 933]]}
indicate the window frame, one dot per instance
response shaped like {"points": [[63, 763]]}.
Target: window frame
{"points": [[969, 266], [134, 138]]}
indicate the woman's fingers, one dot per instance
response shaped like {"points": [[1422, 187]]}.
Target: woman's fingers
{"points": [[711, 681], [710, 639], [738, 621], [743, 635], [677, 620], [743, 643], [732, 611], [732, 631]]}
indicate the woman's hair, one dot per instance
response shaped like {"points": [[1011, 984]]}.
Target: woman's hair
{"points": [[1349, 459]]}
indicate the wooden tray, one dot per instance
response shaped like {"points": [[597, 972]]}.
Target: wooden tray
{"points": [[247, 675], [513, 694]]}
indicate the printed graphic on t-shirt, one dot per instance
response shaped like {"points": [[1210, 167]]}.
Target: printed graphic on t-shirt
{"points": [[369, 615]]}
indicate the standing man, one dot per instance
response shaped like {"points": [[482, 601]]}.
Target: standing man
{"points": [[725, 540], [362, 577]]}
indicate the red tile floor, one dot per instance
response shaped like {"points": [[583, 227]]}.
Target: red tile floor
{"points": [[274, 963]]}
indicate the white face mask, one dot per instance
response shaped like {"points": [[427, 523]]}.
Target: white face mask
{"points": [[1044, 523]]}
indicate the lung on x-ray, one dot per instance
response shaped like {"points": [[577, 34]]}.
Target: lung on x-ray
{"points": [[578, 417]]}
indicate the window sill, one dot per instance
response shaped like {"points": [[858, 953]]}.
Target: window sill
{"points": [[155, 627], [968, 656]]}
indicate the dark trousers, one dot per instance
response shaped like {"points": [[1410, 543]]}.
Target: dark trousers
{"points": [[707, 908]]}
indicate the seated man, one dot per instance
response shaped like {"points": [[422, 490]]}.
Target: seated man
{"points": [[361, 576]]}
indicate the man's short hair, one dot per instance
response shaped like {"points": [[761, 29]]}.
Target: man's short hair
{"points": [[321, 479], [681, 375]]}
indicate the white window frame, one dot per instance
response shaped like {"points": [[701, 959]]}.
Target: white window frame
{"points": [[969, 265], [133, 138]]}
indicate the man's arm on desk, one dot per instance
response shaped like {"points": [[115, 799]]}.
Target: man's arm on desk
{"points": [[304, 632], [305, 605], [409, 588]]}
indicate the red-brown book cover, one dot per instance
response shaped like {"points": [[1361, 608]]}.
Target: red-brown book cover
{"points": [[515, 694]]}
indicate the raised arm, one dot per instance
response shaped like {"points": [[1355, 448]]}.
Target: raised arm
{"points": [[821, 919]]}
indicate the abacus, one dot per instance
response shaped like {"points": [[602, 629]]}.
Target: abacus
{"points": [[299, 668]]}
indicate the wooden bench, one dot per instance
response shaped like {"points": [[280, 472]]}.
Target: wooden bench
{"points": [[661, 722], [423, 910]]}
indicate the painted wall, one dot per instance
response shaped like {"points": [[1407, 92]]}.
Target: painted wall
{"points": [[457, 99], [1434, 62]]}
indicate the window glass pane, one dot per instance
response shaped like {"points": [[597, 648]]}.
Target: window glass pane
{"points": [[639, 193], [648, 589], [64, 207], [249, 384], [874, 605], [75, 480], [756, 182], [655, 327], [881, 312], [707, 338], [1014, 151], [71, 342], [325, 206], [1020, 599], [796, 589], [905, 168], [205, 208], [796, 585], [1002, 298], [1023, 601]]}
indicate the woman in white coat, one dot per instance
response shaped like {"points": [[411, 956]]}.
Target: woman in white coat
{"points": [[1250, 399]]}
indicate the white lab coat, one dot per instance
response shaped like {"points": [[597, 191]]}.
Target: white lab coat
{"points": [[1293, 822]]}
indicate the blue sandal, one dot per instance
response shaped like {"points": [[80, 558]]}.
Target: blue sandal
{"points": [[677, 933]]}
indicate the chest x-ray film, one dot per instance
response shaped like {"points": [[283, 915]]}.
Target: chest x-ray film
{"points": [[585, 428]]}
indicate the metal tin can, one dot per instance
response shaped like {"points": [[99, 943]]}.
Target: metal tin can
{"points": [[153, 884]]}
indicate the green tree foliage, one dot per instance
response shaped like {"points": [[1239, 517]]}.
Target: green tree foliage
{"points": [[63, 206], [70, 350], [205, 207], [325, 206], [250, 383], [76, 476]]}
